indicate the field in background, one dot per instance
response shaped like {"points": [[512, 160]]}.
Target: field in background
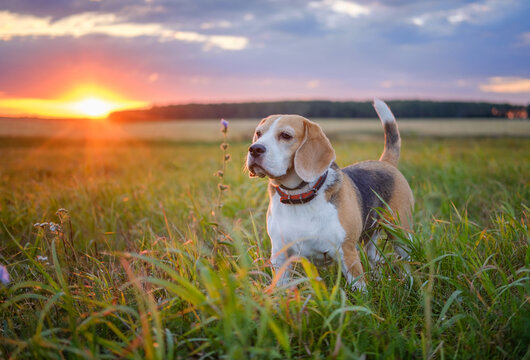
{"points": [[144, 265], [207, 130]]}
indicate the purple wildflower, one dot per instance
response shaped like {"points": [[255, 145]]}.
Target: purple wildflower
{"points": [[224, 123], [4, 275]]}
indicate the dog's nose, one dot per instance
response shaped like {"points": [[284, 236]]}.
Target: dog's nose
{"points": [[256, 150]]}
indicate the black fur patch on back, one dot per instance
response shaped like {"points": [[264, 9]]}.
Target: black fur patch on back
{"points": [[367, 182], [391, 134]]}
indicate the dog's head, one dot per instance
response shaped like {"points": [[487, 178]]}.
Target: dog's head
{"points": [[284, 144]]}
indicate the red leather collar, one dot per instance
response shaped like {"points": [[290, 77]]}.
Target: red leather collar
{"points": [[303, 197]]}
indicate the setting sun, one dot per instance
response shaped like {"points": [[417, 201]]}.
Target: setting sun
{"points": [[84, 101], [94, 107]]}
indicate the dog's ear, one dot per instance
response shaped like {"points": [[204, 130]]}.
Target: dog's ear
{"points": [[314, 155]]}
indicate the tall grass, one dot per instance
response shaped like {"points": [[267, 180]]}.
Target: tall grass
{"points": [[139, 267]]}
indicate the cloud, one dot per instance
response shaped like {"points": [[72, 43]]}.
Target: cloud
{"points": [[153, 77], [524, 39], [506, 85], [313, 84], [444, 21], [91, 23], [249, 17], [343, 7], [368, 48], [461, 83], [335, 14], [219, 24]]}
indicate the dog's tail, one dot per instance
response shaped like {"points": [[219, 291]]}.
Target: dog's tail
{"points": [[392, 138]]}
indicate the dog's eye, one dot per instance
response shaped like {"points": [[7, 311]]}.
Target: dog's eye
{"points": [[285, 136], [258, 134]]}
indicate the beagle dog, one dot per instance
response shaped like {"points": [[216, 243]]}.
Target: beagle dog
{"points": [[318, 210]]}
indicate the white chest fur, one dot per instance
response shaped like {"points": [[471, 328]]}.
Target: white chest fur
{"points": [[311, 230]]}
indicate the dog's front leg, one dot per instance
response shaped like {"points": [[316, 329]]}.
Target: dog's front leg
{"points": [[351, 265], [281, 267]]}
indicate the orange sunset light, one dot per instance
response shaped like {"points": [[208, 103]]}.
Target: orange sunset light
{"points": [[85, 101], [94, 107]]}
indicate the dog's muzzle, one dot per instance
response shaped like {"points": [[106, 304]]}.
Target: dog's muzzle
{"points": [[256, 150], [256, 170]]}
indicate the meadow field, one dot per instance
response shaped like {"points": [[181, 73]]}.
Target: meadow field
{"points": [[116, 248], [242, 129]]}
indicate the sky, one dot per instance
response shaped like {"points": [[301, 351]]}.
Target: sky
{"points": [[131, 53]]}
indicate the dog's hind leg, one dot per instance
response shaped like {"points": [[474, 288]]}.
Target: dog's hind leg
{"points": [[400, 248], [373, 254]]}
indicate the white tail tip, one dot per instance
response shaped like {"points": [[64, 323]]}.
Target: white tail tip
{"points": [[383, 111]]}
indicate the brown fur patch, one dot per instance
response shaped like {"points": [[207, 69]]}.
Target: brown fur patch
{"points": [[352, 259], [295, 123], [264, 126], [402, 201], [392, 144], [315, 153]]}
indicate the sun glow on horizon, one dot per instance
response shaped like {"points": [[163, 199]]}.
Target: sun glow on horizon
{"points": [[85, 101], [94, 107]]}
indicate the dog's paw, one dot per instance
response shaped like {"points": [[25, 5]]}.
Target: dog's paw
{"points": [[359, 285]]}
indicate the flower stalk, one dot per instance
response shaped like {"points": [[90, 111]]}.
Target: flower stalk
{"points": [[221, 186]]}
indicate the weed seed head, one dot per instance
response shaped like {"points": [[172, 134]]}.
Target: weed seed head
{"points": [[226, 157], [51, 226]]}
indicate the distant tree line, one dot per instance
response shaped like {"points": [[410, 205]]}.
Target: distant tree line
{"points": [[323, 109]]}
